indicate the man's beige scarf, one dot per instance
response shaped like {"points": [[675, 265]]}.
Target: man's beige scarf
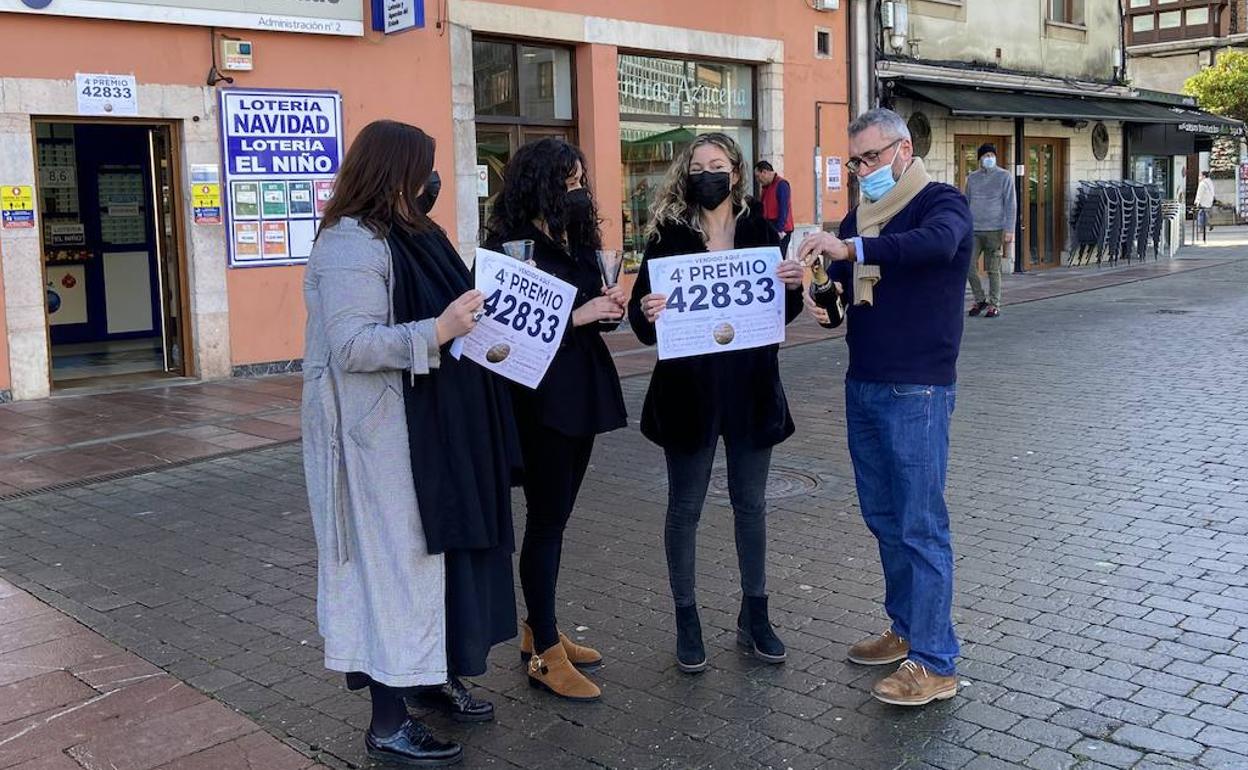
{"points": [[873, 216]]}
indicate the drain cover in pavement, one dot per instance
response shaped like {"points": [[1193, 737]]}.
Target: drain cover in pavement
{"points": [[1171, 311], [783, 482]]}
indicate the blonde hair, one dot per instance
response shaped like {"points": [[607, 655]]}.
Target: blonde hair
{"points": [[672, 207]]}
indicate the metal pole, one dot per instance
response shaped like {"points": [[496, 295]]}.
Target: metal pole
{"points": [[1020, 179]]}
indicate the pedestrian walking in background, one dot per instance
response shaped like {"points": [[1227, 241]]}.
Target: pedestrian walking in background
{"points": [[776, 195], [408, 453], [693, 402], [992, 198], [546, 199], [900, 390], [1204, 204]]}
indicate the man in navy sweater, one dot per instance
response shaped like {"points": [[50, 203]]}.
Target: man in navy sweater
{"points": [[906, 251]]}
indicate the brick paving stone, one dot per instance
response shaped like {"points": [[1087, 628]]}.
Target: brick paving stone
{"points": [[1102, 578], [1151, 740], [94, 706]]}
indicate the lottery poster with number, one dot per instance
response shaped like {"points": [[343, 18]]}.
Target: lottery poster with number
{"points": [[526, 314], [718, 301]]}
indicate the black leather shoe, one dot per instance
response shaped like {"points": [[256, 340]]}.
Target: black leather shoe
{"points": [[454, 699], [414, 746], [690, 654], [754, 631]]}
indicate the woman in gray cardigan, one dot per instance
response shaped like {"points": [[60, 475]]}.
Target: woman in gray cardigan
{"points": [[414, 578]]}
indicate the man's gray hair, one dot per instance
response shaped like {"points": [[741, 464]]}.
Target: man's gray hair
{"points": [[892, 124]]}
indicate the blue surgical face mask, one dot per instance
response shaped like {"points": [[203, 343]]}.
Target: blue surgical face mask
{"points": [[988, 162], [877, 184]]}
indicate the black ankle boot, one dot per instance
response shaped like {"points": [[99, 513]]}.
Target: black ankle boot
{"points": [[455, 700], [690, 654], [754, 631], [413, 745]]}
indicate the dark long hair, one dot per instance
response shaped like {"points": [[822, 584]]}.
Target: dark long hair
{"points": [[380, 178], [535, 187]]}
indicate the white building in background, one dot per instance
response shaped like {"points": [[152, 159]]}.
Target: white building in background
{"points": [[1043, 82]]}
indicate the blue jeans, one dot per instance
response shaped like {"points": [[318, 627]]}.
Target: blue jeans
{"points": [[899, 444], [688, 475]]}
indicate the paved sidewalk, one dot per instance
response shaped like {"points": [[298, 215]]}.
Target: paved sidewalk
{"points": [[46, 444], [1099, 491], [68, 438], [70, 700]]}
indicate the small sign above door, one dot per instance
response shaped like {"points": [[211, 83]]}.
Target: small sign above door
{"points": [[107, 94]]}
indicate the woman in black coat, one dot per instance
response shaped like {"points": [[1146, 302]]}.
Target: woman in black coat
{"points": [[693, 402], [546, 199]]}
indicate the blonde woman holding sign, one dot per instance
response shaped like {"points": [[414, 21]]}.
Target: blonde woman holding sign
{"points": [[694, 401]]}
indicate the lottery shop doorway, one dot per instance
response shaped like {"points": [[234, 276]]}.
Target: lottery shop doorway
{"points": [[116, 299]]}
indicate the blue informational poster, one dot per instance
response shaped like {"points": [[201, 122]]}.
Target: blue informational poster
{"points": [[280, 152]]}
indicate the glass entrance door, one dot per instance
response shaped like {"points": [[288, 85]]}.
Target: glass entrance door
{"points": [[1044, 203], [968, 155], [113, 289], [495, 146]]}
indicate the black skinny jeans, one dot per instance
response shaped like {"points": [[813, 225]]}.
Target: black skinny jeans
{"points": [[554, 467], [688, 476]]}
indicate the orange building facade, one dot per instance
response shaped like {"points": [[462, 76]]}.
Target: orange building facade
{"points": [[136, 246]]}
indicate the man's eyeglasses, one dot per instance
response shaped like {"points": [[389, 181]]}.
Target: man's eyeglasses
{"points": [[869, 158]]}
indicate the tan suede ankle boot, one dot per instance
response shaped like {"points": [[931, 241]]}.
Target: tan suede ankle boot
{"points": [[552, 671], [580, 655]]}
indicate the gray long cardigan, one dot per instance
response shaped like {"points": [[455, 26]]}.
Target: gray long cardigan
{"points": [[381, 603]]}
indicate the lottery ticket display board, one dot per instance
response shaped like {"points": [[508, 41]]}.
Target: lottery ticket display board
{"points": [[280, 150]]}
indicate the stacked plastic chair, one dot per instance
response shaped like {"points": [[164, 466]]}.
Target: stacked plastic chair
{"points": [[1088, 219], [1157, 216], [1116, 220]]}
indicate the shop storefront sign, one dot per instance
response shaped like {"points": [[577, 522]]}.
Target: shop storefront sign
{"points": [[654, 86], [103, 94], [322, 17], [281, 150], [1211, 129], [17, 207], [390, 16]]}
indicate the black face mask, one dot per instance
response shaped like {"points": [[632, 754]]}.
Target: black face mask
{"points": [[430, 194], [579, 206], [709, 188]]}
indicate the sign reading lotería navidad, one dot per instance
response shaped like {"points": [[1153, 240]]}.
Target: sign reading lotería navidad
{"points": [[281, 150]]}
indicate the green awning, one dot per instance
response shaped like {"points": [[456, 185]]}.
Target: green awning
{"points": [[983, 103]]}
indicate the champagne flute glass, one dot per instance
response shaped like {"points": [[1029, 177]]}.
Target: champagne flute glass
{"points": [[609, 263]]}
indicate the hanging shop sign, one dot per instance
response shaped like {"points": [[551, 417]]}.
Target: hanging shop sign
{"points": [[281, 151], [17, 207], [328, 17], [390, 16]]}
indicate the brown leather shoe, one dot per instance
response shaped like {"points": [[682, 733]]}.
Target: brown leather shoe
{"points": [[913, 685], [880, 650], [580, 655], [552, 671]]}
